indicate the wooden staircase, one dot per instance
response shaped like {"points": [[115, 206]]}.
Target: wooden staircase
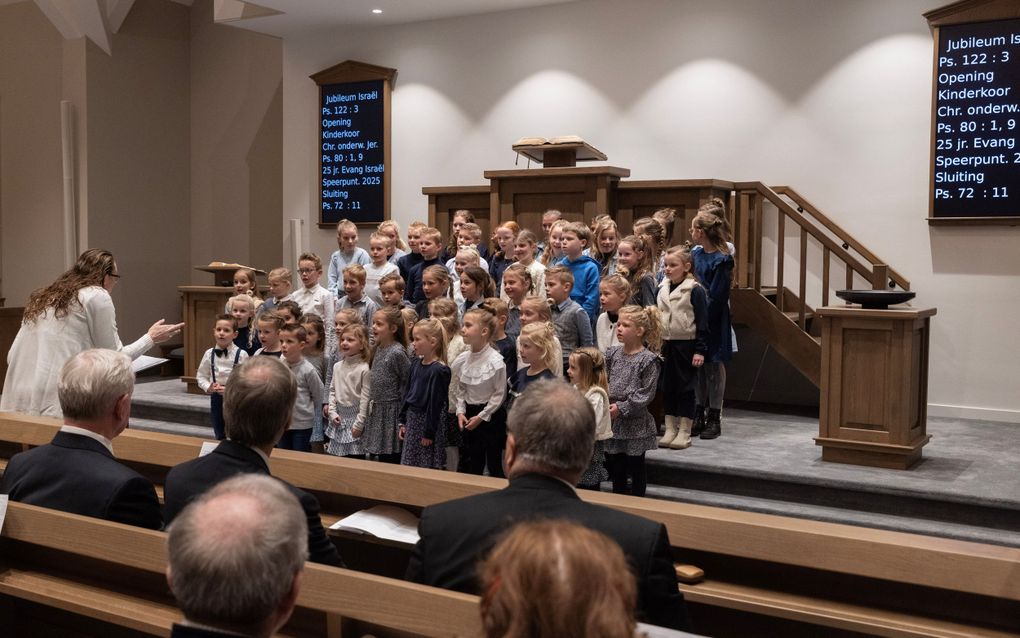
{"points": [[765, 222]]}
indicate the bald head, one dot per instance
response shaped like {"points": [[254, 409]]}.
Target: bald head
{"points": [[258, 401], [236, 553]]}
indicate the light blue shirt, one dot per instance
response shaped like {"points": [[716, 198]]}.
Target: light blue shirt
{"points": [[337, 262]]}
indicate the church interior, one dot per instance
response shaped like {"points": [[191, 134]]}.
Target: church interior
{"points": [[865, 484]]}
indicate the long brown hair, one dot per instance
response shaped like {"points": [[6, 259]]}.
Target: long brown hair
{"points": [[91, 269], [557, 579]]}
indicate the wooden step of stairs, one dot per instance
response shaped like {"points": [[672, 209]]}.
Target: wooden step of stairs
{"points": [[779, 328]]}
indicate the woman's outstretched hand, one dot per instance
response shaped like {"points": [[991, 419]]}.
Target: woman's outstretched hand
{"points": [[162, 331]]}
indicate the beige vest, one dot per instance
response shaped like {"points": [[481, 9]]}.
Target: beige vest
{"points": [[676, 310]]}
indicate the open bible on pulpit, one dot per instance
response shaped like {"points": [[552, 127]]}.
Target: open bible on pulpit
{"points": [[563, 150]]}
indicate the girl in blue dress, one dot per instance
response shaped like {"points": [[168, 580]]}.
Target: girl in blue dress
{"points": [[422, 426], [713, 266]]}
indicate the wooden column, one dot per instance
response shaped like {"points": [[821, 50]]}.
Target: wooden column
{"points": [[874, 385]]}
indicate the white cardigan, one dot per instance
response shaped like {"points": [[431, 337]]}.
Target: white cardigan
{"points": [[43, 346]]}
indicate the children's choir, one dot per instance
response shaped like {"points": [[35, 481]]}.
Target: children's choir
{"points": [[428, 345]]}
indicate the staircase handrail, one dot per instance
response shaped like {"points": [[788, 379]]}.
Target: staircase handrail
{"points": [[826, 241], [838, 231]]}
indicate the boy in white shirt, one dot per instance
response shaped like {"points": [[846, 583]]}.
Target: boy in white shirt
{"points": [[311, 392], [215, 367], [348, 253], [312, 297], [378, 246]]}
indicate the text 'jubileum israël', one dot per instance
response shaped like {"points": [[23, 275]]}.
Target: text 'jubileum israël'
{"points": [[352, 151], [976, 157]]}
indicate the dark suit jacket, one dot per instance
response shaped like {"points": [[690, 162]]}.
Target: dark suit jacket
{"points": [[76, 474], [190, 479], [455, 535]]}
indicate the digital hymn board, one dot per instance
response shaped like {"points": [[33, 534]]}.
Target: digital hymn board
{"points": [[975, 165], [353, 143]]}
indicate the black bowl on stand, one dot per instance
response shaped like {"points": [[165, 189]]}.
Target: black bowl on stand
{"points": [[875, 299]]}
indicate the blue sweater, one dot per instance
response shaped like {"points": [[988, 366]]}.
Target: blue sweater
{"points": [[586, 284]]}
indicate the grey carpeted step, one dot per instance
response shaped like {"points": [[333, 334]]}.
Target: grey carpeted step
{"points": [[898, 523], [168, 400], [149, 425], [963, 486]]}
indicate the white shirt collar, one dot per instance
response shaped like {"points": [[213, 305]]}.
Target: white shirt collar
{"points": [[265, 457], [74, 429]]}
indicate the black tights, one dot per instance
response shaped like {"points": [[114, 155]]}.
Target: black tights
{"points": [[622, 467], [389, 458]]}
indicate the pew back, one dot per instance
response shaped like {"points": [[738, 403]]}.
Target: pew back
{"points": [[839, 576], [123, 563]]}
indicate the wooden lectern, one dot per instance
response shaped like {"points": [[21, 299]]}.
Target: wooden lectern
{"points": [[874, 399]]}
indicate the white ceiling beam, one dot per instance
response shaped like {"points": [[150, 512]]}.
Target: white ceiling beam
{"points": [[234, 10], [77, 18], [62, 17], [116, 12]]}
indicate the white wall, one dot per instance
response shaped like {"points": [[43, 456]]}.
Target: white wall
{"points": [[31, 200], [832, 98], [236, 139]]}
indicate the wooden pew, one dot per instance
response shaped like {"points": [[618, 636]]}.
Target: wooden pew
{"points": [[113, 575], [791, 575]]}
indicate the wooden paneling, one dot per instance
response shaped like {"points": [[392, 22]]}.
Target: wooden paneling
{"points": [[874, 385], [641, 198], [579, 193], [202, 304], [443, 201]]}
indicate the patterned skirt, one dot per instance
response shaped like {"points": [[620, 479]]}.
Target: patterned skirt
{"points": [[418, 455], [341, 441], [454, 437], [596, 472], [380, 435], [630, 447]]}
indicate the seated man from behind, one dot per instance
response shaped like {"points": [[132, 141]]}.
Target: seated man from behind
{"points": [[76, 472], [235, 559], [550, 436], [257, 407]]}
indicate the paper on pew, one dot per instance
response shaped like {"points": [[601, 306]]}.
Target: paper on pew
{"points": [[145, 362], [382, 521], [3, 510]]}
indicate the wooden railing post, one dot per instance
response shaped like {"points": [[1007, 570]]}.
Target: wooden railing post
{"points": [[880, 277], [780, 258]]}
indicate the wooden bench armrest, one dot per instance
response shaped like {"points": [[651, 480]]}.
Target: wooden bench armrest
{"points": [[829, 613], [124, 610]]}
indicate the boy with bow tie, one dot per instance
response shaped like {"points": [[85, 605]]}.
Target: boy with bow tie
{"points": [[215, 367]]}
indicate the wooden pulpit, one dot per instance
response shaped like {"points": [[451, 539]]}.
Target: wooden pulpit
{"points": [[874, 399]]}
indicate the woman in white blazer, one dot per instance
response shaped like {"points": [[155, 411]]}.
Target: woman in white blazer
{"points": [[72, 314]]}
